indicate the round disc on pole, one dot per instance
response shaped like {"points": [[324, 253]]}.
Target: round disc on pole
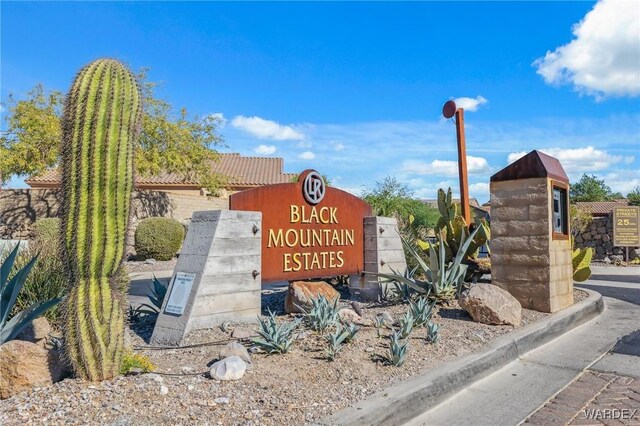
{"points": [[449, 109]]}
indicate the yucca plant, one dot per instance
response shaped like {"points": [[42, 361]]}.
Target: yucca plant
{"points": [[9, 289], [406, 325], [323, 313], [335, 341], [433, 332], [101, 121], [397, 349], [275, 339], [421, 311]]}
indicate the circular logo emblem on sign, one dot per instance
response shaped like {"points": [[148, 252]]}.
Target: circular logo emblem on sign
{"points": [[313, 188]]}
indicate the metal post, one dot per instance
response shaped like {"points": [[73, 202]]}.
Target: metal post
{"points": [[462, 167]]}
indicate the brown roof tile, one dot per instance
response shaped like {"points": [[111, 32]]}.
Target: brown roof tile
{"points": [[240, 171], [600, 207]]}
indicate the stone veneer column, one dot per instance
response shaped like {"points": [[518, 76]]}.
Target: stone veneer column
{"points": [[525, 261], [222, 249], [383, 253]]}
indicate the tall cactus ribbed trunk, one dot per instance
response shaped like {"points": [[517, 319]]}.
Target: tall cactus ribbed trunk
{"points": [[100, 123]]}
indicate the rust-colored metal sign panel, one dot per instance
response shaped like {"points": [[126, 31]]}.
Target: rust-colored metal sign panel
{"points": [[626, 226], [309, 230]]}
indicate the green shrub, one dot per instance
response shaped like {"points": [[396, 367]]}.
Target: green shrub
{"points": [[134, 360], [158, 238]]}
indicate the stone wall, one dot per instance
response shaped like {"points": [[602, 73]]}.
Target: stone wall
{"points": [[599, 236], [524, 259], [20, 208]]}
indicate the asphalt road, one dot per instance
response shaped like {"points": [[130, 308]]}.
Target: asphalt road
{"points": [[607, 348]]}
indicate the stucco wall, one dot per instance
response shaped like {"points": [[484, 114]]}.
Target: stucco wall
{"points": [[524, 260], [20, 208]]}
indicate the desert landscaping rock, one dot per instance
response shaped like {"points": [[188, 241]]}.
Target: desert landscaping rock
{"points": [[243, 333], [231, 368], [387, 318], [489, 304], [36, 332], [234, 349], [24, 365], [300, 294], [349, 315]]}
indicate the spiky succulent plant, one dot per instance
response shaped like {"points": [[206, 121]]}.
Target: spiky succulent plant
{"points": [[274, 338], [397, 349], [100, 123]]}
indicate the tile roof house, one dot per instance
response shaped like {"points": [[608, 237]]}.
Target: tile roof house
{"points": [[241, 173], [601, 208]]}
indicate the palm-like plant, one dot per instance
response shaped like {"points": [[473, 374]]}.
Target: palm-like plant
{"points": [[9, 289]]}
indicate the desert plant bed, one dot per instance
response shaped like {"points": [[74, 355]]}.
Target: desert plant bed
{"points": [[293, 388]]}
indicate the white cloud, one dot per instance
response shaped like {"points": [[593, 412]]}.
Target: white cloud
{"points": [[338, 147], [623, 181], [307, 155], [266, 129], [220, 117], [604, 57], [475, 165], [265, 149], [480, 191], [576, 160], [470, 104]]}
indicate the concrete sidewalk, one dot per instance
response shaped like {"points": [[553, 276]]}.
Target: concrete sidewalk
{"points": [[510, 395]]}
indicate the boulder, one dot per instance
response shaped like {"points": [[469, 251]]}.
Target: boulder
{"points": [[387, 318], [634, 254], [301, 293], [489, 304], [232, 368], [349, 315], [36, 332], [24, 365], [242, 333], [234, 349]]}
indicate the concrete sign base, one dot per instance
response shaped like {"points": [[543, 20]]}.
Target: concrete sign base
{"points": [[219, 267], [383, 253]]}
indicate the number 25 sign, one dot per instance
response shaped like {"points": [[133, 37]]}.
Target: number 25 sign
{"points": [[626, 226]]}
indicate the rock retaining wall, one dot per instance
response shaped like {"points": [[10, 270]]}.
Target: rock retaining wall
{"points": [[599, 236]]}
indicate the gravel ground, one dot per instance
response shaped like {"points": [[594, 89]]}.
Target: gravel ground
{"points": [[294, 388]]}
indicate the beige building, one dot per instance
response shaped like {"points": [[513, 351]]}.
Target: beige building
{"points": [[530, 244], [240, 173]]}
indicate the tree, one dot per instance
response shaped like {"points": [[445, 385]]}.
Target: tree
{"points": [[634, 196], [168, 142], [590, 188], [392, 198]]}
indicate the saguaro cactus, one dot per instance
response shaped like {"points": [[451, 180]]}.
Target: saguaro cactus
{"points": [[100, 123]]}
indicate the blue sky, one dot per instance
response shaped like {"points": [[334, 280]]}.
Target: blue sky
{"points": [[355, 90]]}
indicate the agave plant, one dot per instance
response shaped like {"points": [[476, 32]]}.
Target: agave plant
{"points": [[323, 313], [433, 332], [352, 331], [421, 311], [406, 325], [444, 280], [397, 350], [9, 289], [156, 295], [378, 323], [276, 339], [335, 341]]}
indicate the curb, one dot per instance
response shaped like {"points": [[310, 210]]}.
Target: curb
{"points": [[411, 398]]}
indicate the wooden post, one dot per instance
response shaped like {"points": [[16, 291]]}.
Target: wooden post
{"points": [[462, 167]]}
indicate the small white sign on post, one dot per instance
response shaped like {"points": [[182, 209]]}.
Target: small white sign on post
{"points": [[180, 291]]}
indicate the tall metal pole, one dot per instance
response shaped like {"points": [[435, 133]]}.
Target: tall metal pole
{"points": [[462, 167]]}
